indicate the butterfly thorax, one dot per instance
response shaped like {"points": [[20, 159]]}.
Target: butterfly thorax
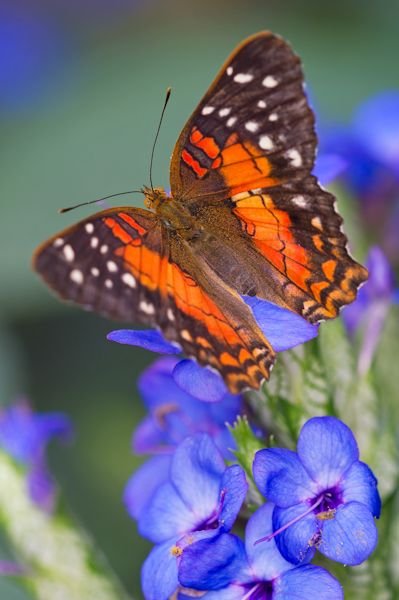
{"points": [[173, 213]]}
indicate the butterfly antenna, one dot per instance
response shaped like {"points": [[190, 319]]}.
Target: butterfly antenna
{"points": [[64, 210], [168, 92]]}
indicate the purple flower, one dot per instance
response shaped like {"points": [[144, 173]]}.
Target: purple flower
{"points": [[326, 499], [200, 499], [230, 570], [370, 148], [173, 415], [283, 328], [370, 310], [24, 435]]}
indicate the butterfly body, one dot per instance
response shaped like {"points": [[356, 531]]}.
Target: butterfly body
{"points": [[245, 217]]}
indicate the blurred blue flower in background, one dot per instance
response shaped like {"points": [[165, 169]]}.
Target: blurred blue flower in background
{"points": [[200, 499], [34, 52], [369, 312], [234, 571], [24, 435], [370, 148], [326, 499]]}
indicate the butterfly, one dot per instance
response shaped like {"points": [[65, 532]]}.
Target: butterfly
{"points": [[245, 217]]}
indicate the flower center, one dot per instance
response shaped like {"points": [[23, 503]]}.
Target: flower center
{"points": [[324, 508], [262, 590]]}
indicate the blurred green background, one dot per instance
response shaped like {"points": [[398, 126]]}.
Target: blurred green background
{"points": [[82, 83]]}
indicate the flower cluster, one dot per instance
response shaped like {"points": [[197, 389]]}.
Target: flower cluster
{"points": [[320, 498]]}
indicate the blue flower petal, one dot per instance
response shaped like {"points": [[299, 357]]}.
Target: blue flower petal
{"points": [[328, 167], [200, 382], [232, 592], [144, 482], [351, 536], [150, 339], [213, 563], [159, 573], [149, 437], [297, 542], [283, 328], [166, 516], [265, 559], [281, 478], [327, 448], [307, 581], [196, 473], [41, 486], [233, 491], [157, 386], [360, 485], [381, 276]]}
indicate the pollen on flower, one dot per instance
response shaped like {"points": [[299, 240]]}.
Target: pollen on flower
{"points": [[326, 515], [176, 551]]}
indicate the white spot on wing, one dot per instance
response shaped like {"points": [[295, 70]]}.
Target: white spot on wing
{"points": [[223, 112], [170, 314], [89, 227], [273, 117], [104, 249], [266, 143], [58, 242], [262, 104], [185, 334], [207, 110], [108, 283], [95, 272], [316, 222], [294, 157], [112, 266], [299, 201], [76, 276], [229, 71], [68, 253], [231, 121], [251, 126], [243, 77], [239, 196], [147, 307], [129, 280], [270, 81], [94, 242]]}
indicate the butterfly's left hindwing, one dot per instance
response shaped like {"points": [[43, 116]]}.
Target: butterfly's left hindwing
{"points": [[122, 264]]}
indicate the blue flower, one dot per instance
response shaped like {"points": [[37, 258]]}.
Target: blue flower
{"points": [[283, 328], [369, 146], [24, 435], [370, 310], [230, 570], [200, 499], [326, 499], [174, 414]]}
